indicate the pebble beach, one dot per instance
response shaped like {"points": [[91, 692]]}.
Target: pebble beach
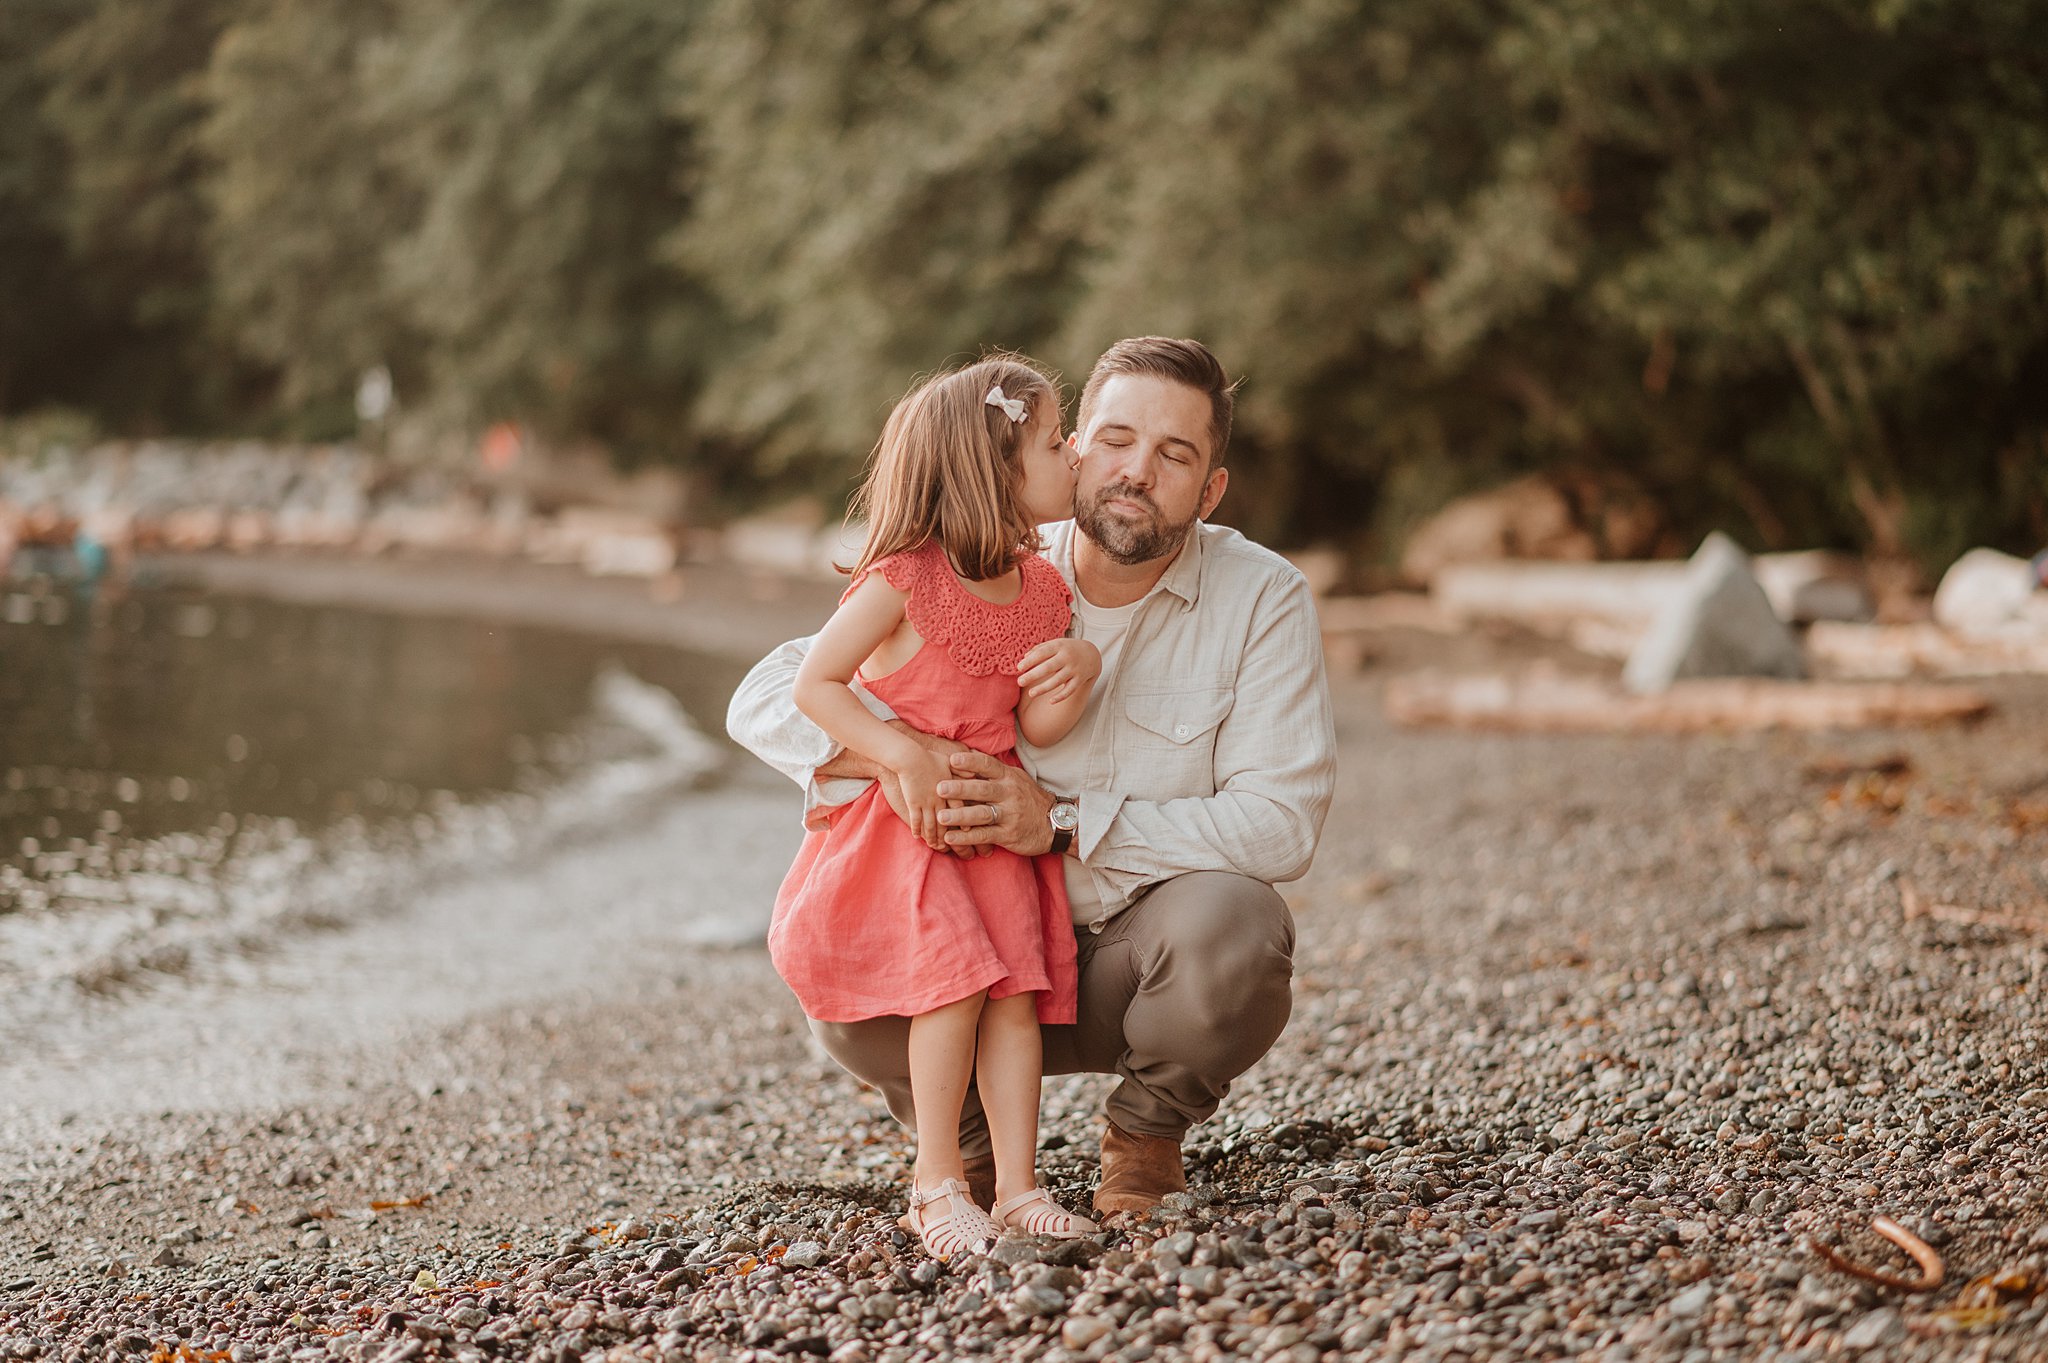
{"points": [[1594, 1039]]}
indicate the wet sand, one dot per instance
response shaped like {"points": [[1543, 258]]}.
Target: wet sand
{"points": [[1590, 1035]]}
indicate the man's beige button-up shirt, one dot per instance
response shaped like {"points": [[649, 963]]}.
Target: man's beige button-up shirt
{"points": [[1210, 748]]}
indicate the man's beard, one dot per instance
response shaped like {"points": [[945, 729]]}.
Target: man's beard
{"points": [[1126, 542]]}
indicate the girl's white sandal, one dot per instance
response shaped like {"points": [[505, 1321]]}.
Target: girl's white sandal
{"points": [[1047, 1217], [966, 1227]]}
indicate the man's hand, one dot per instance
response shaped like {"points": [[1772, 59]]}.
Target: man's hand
{"points": [[999, 807]]}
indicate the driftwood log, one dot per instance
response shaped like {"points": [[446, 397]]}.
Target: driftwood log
{"points": [[1538, 702], [1925, 650]]}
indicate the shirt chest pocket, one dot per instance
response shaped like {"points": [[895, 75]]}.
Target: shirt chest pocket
{"points": [[1170, 742]]}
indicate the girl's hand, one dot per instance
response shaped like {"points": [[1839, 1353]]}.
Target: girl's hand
{"points": [[1057, 667], [919, 778]]}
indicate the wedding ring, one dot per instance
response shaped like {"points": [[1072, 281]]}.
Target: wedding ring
{"points": [[994, 812]]}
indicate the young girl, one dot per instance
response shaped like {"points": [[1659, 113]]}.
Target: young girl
{"points": [[949, 604]]}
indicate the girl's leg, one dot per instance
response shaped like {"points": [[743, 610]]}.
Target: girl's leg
{"points": [[1010, 1063], [1007, 1076], [941, 1064]]}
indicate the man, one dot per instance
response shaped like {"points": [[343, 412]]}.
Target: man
{"points": [[1198, 777]]}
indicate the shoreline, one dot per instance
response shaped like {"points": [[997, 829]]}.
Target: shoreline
{"points": [[155, 1041], [717, 608], [154, 1044], [1590, 1033]]}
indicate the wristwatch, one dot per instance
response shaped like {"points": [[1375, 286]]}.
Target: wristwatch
{"points": [[1065, 819]]}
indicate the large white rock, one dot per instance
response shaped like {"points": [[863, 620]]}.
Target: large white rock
{"points": [[1719, 624], [1987, 593]]}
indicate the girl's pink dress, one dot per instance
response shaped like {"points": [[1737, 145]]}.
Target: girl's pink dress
{"points": [[872, 922]]}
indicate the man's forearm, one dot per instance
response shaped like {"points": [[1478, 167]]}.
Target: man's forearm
{"points": [[763, 719], [1133, 843]]}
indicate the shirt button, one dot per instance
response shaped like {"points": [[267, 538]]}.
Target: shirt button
{"points": [[1180, 731]]}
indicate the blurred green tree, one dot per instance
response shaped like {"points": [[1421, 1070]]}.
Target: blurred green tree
{"points": [[43, 337], [469, 193], [305, 201], [548, 166], [125, 100], [1780, 273], [1277, 180], [1838, 246], [1662, 250], [873, 192]]}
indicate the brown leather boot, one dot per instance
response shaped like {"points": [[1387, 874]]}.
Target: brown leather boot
{"points": [[981, 1180], [1137, 1172]]}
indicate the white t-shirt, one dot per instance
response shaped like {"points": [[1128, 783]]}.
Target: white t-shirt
{"points": [[1061, 768]]}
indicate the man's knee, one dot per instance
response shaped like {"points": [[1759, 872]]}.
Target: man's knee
{"points": [[1231, 923], [875, 1051], [1222, 967]]}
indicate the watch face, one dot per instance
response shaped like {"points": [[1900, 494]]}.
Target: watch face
{"points": [[1066, 818]]}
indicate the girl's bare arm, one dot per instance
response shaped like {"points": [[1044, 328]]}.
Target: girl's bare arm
{"points": [[1057, 677], [823, 691]]}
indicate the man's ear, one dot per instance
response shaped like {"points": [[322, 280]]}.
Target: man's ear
{"points": [[1212, 493]]}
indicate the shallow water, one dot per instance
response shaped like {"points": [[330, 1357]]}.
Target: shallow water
{"points": [[187, 781]]}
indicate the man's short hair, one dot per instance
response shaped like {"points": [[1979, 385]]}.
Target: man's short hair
{"points": [[1166, 357]]}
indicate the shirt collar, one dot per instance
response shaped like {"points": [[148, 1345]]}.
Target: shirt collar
{"points": [[1183, 576]]}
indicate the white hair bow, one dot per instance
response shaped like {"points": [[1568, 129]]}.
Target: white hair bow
{"points": [[1014, 407]]}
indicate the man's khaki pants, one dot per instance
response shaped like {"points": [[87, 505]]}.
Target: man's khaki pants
{"points": [[1180, 993]]}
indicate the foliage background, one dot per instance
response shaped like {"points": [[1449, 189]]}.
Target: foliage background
{"points": [[1777, 269]]}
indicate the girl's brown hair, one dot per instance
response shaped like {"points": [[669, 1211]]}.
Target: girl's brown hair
{"points": [[946, 469]]}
